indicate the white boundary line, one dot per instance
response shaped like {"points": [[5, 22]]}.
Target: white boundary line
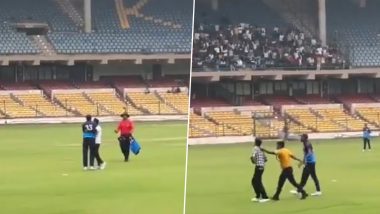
{"points": [[109, 142], [188, 111], [51, 120]]}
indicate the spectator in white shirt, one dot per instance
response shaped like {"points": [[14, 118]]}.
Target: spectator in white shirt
{"points": [[319, 51], [296, 55], [239, 63], [310, 61], [313, 42], [281, 37], [217, 50], [217, 28], [302, 36], [196, 36], [266, 55], [274, 55], [98, 141], [263, 32]]}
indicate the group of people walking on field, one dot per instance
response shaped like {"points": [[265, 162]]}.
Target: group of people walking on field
{"points": [[92, 139], [285, 157]]}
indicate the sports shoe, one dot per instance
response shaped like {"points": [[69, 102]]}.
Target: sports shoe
{"points": [[275, 198], [255, 199], [304, 196], [264, 200], [318, 193], [294, 192], [92, 168], [103, 165], [363, 150], [85, 168]]}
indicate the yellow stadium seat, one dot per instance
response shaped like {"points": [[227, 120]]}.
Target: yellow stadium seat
{"points": [[371, 114], [43, 105], [180, 101], [151, 103], [78, 102], [15, 109], [112, 103]]}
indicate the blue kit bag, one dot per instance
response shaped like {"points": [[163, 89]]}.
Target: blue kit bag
{"points": [[135, 146]]}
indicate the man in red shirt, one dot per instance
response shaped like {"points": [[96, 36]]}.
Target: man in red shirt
{"points": [[125, 129]]}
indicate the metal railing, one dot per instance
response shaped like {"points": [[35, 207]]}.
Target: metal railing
{"points": [[68, 110], [271, 127]]}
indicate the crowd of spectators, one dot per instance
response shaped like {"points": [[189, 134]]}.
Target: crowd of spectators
{"points": [[245, 46]]}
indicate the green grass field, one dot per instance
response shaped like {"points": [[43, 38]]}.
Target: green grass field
{"points": [[219, 180], [41, 171]]}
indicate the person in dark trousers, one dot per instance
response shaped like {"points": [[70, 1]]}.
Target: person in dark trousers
{"points": [[258, 158], [286, 132], [366, 137], [285, 157], [125, 130], [309, 168], [98, 141], [89, 135]]}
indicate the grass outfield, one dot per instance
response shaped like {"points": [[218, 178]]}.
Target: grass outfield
{"points": [[219, 180], [41, 171]]}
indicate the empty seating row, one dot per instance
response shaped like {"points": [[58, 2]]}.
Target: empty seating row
{"points": [[240, 12], [371, 114], [355, 28], [237, 124], [300, 121], [264, 125], [229, 123], [344, 119], [112, 103], [149, 31], [78, 102], [16, 43], [78, 43], [311, 120], [12, 108], [202, 127], [150, 102], [180, 101], [42, 105], [327, 120]]}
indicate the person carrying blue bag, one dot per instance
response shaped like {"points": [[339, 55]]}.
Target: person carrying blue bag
{"points": [[126, 141], [125, 130]]}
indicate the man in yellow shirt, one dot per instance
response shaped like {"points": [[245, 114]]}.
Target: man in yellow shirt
{"points": [[285, 157]]}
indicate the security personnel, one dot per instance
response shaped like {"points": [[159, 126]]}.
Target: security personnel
{"points": [[258, 158], [285, 157]]}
